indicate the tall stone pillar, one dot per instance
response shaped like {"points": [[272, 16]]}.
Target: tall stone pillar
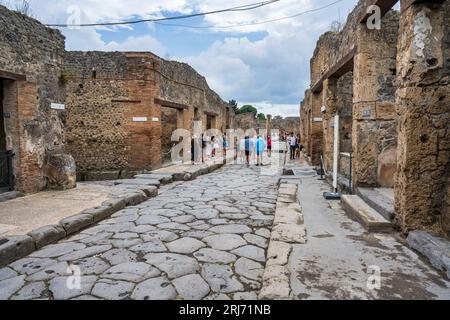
{"points": [[269, 125], [423, 107], [374, 125], [316, 134]]}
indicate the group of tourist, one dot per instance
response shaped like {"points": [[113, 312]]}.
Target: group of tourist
{"points": [[247, 148]]}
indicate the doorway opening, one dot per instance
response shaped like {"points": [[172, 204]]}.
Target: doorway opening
{"points": [[169, 120]]}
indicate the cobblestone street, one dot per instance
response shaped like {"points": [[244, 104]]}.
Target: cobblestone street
{"points": [[203, 239]]}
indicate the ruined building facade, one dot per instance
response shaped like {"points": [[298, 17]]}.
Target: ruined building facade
{"points": [[31, 122], [390, 88], [107, 114], [123, 108]]}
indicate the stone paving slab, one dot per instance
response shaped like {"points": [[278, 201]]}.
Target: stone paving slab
{"points": [[179, 245], [71, 211]]}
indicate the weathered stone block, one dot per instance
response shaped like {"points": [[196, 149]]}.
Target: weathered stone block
{"points": [[116, 204], [14, 248], [436, 249], [76, 223], [289, 233], [60, 171], [47, 234], [133, 199], [99, 213]]}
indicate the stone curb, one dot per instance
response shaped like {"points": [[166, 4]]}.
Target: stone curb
{"points": [[17, 247], [288, 229]]}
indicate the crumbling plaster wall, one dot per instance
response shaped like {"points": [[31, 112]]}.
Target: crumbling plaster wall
{"points": [[35, 132], [423, 109]]}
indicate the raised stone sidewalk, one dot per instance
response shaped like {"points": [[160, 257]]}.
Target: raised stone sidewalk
{"points": [[80, 208]]}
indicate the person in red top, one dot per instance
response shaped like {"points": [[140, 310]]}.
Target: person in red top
{"points": [[269, 146]]}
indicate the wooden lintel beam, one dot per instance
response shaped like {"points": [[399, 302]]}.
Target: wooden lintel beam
{"points": [[169, 104], [385, 6], [405, 4], [338, 70], [12, 76]]}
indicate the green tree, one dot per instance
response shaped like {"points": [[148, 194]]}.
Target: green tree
{"points": [[248, 109], [261, 116]]}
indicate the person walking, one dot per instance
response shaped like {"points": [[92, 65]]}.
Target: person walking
{"points": [[248, 149], [292, 142], [242, 150], [269, 146], [260, 147]]}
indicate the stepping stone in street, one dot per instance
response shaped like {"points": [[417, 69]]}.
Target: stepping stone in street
{"points": [[225, 241], [154, 289], [214, 256], [191, 287], [185, 245], [231, 228], [175, 265], [251, 252]]}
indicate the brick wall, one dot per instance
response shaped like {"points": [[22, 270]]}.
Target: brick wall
{"points": [[34, 54]]}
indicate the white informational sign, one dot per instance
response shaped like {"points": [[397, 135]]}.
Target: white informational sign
{"points": [[155, 119], [140, 119], [317, 120], [57, 106]]}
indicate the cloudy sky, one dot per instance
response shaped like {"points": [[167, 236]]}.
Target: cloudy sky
{"points": [[266, 65]]}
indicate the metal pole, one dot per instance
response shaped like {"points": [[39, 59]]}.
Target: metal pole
{"points": [[336, 153], [9, 156], [351, 169]]}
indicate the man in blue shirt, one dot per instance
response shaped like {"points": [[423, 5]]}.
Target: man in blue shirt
{"points": [[260, 147]]}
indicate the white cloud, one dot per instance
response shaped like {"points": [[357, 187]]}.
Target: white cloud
{"points": [[274, 69]]}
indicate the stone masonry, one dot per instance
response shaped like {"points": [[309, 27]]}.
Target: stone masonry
{"points": [[390, 88], [123, 108], [31, 63]]}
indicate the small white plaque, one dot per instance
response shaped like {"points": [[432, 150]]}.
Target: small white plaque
{"points": [[155, 119], [57, 106], [317, 119], [140, 119]]}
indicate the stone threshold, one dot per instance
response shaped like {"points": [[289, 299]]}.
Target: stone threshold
{"points": [[288, 229], [130, 192], [434, 248]]}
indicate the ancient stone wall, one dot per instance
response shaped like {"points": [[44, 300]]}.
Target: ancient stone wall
{"points": [[124, 107], [287, 125], [423, 109], [31, 59], [371, 56], [246, 121]]}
